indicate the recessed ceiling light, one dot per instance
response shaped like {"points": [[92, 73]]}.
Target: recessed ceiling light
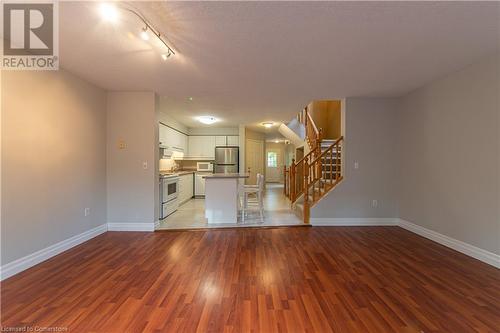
{"points": [[108, 12], [277, 141], [208, 120], [190, 99], [268, 124], [144, 34]]}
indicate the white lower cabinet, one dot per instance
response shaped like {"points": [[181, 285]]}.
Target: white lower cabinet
{"points": [[199, 184], [186, 187]]}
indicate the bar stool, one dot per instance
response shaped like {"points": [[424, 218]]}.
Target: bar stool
{"points": [[256, 202]]}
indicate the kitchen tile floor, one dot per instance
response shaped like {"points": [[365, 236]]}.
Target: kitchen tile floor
{"points": [[191, 215]]}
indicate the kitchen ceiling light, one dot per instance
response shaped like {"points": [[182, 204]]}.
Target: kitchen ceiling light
{"points": [[207, 120], [268, 124], [144, 34], [277, 141], [108, 12]]}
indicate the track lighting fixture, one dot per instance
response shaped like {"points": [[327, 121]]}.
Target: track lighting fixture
{"points": [[109, 12], [144, 33]]}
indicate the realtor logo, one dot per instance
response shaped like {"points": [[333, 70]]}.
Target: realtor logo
{"points": [[30, 36]]}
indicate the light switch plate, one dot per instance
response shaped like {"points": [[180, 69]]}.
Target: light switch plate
{"points": [[356, 165]]}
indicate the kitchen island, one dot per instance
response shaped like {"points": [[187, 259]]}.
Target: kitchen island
{"points": [[221, 197]]}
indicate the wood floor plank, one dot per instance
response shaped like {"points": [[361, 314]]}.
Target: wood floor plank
{"points": [[342, 279]]}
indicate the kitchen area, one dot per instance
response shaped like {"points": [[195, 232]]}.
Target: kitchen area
{"points": [[187, 158]]}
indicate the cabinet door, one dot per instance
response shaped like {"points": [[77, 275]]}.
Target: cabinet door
{"points": [[189, 186], [185, 145], [220, 140], [209, 147], [195, 145], [199, 185], [233, 140], [202, 146], [162, 134]]}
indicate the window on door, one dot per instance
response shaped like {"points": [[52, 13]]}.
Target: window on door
{"points": [[272, 159]]}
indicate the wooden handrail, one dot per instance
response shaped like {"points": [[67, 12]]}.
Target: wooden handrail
{"points": [[319, 170], [324, 153], [311, 121]]}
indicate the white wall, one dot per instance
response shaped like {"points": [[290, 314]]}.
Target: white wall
{"points": [[53, 159], [370, 139], [449, 148], [131, 189]]}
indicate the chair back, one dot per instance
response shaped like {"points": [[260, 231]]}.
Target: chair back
{"points": [[260, 181]]}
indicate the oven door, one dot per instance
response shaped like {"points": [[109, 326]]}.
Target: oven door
{"points": [[170, 189]]}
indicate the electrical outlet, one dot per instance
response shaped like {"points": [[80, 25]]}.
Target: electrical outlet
{"points": [[86, 212], [145, 165], [374, 203], [356, 165]]}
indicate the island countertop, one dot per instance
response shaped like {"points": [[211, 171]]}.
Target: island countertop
{"points": [[226, 175]]}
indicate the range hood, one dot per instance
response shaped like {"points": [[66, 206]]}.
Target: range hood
{"points": [[170, 151]]}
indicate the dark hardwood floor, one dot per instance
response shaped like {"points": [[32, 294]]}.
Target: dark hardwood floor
{"points": [[342, 279]]}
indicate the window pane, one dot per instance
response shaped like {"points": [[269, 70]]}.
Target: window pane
{"points": [[272, 159]]}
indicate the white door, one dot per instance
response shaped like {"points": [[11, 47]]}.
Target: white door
{"points": [[254, 159], [274, 165]]}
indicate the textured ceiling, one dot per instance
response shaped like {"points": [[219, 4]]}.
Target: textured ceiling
{"points": [[249, 62]]}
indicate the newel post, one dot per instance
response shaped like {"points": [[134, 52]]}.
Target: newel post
{"points": [[306, 192]]}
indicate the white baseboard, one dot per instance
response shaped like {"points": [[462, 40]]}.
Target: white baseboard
{"points": [[157, 224], [131, 226], [372, 221], [467, 249], [37, 257]]}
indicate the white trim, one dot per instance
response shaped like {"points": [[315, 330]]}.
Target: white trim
{"points": [[369, 221], [157, 224], [467, 249], [37, 257], [131, 227]]}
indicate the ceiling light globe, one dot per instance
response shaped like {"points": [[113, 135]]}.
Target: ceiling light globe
{"points": [[108, 12]]}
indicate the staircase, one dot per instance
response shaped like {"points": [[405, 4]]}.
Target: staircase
{"points": [[317, 173]]}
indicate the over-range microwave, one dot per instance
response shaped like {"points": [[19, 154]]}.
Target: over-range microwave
{"points": [[205, 166]]}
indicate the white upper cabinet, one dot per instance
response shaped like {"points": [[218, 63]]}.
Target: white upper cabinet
{"points": [[229, 140], [173, 139], [194, 146], [233, 140], [220, 140], [202, 146]]}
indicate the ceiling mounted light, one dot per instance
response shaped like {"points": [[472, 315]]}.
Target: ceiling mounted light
{"points": [[144, 33], [268, 124], [277, 141], [207, 120], [108, 12], [165, 56]]}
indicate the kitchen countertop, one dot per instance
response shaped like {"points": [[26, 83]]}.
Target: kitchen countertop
{"points": [[176, 173], [226, 175]]}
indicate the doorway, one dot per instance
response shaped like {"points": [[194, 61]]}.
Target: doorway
{"points": [[274, 165], [254, 159]]}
